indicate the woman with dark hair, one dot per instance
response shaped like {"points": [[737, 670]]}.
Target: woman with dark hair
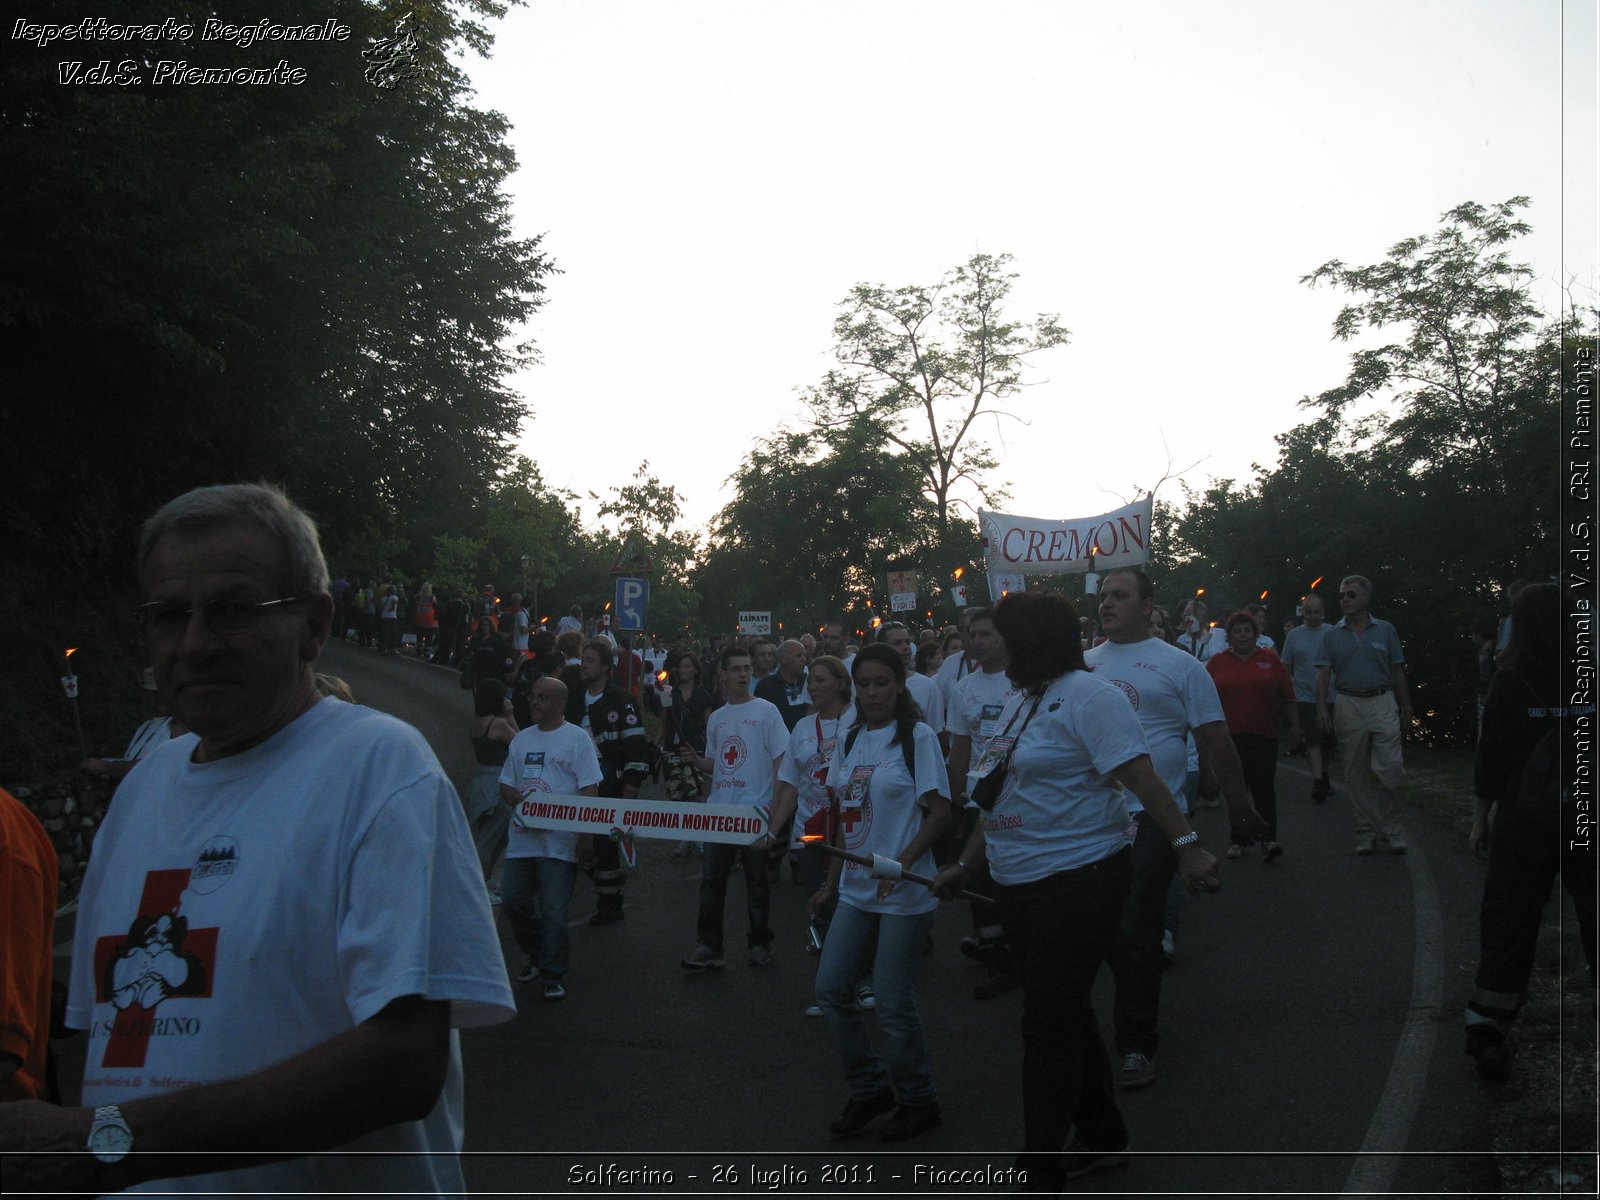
{"points": [[1519, 775], [1056, 833], [491, 731], [1254, 688], [488, 655], [928, 659], [683, 722], [889, 777]]}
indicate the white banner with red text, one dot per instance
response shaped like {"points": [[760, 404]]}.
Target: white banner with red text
{"points": [[736, 824], [1120, 538]]}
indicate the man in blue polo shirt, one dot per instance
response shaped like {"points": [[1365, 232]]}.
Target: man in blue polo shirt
{"points": [[1362, 661]]}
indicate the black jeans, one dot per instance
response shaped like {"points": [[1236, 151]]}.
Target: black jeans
{"points": [[1259, 757], [715, 869], [1136, 961], [1060, 929]]}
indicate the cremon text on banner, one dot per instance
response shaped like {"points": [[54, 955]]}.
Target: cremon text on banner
{"points": [[1120, 538], [736, 824]]}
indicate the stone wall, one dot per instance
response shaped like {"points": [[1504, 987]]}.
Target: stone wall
{"points": [[70, 807]]}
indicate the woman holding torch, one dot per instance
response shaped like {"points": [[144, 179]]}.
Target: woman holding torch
{"points": [[889, 779], [1056, 833], [802, 789]]}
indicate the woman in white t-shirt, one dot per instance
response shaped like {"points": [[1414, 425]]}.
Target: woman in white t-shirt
{"points": [[1056, 834], [802, 787], [889, 780]]}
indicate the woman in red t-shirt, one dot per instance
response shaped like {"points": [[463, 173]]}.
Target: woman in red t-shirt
{"points": [[1255, 688]]}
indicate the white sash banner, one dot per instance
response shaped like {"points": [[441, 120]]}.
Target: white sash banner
{"points": [[736, 824], [1120, 538]]}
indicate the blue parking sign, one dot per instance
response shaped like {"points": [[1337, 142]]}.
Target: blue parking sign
{"points": [[632, 604]]}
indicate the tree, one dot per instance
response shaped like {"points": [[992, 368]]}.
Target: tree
{"points": [[1444, 491], [1466, 322], [813, 518], [313, 284], [918, 365], [643, 513]]}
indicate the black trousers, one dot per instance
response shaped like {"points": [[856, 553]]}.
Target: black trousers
{"points": [[1060, 929]]}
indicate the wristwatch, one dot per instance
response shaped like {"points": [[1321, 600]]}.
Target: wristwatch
{"points": [[1187, 839], [110, 1139]]}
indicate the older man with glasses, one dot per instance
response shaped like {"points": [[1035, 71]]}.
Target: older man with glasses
{"points": [[283, 919], [1362, 661]]}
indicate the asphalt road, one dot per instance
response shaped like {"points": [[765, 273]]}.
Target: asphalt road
{"points": [[1302, 1022]]}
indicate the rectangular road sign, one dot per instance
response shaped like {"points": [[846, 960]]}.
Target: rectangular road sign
{"points": [[632, 604]]}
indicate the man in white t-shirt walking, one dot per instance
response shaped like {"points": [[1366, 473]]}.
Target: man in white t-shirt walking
{"points": [[928, 695], [745, 742], [1173, 696], [550, 757], [972, 718], [284, 918]]}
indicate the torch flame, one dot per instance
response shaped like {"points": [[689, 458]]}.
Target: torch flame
{"points": [[71, 650], [876, 621], [661, 676], [1263, 596], [1316, 581], [812, 837], [960, 571], [1199, 591]]}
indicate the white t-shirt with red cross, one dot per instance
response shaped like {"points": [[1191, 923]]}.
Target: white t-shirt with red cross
{"points": [[556, 761], [881, 807], [241, 911], [744, 741], [805, 765]]}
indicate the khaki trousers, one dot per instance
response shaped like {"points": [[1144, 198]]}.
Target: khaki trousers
{"points": [[1368, 732]]}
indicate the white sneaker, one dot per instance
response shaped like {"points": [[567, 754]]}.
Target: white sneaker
{"points": [[813, 1009], [866, 997], [1169, 945], [528, 973]]}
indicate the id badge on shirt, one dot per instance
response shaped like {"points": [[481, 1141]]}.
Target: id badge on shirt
{"points": [[991, 758], [856, 790], [989, 719], [532, 770]]}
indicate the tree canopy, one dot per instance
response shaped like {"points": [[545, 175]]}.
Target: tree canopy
{"points": [[920, 364]]}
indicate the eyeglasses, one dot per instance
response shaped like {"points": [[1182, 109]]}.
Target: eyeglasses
{"points": [[164, 622]]}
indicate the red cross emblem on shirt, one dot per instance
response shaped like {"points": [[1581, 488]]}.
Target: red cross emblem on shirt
{"points": [[731, 756], [159, 957]]}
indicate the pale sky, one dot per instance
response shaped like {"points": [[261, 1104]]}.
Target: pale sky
{"points": [[712, 178]]}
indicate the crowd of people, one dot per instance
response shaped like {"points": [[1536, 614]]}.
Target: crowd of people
{"points": [[1040, 766]]}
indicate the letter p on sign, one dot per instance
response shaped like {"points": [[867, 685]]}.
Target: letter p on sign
{"points": [[633, 602]]}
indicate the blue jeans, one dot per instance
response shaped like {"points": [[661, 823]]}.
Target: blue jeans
{"points": [[541, 932], [846, 956]]}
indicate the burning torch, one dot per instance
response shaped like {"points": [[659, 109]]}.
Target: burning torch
{"points": [[69, 684]]}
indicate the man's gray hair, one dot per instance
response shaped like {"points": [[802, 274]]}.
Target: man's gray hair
{"points": [[305, 570], [1362, 580]]}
